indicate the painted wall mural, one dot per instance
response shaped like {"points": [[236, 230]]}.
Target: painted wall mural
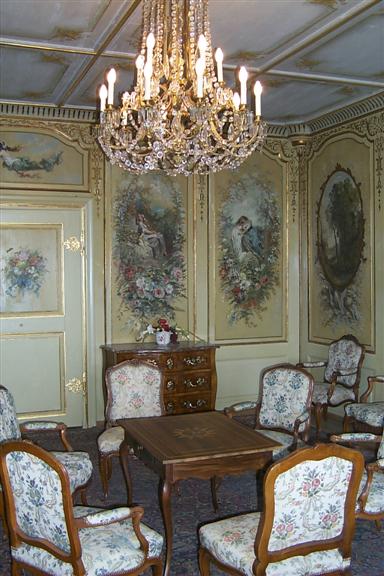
{"points": [[38, 159], [250, 296], [340, 243], [341, 288], [148, 250], [249, 245]]}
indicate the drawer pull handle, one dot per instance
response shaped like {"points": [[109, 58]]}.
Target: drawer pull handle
{"points": [[170, 407], [194, 360], [169, 363], [192, 406], [199, 382], [170, 385]]}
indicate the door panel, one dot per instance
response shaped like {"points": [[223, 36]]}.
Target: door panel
{"points": [[42, 311]]}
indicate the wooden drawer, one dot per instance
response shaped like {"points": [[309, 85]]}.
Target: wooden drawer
{"points": [[188, 369], [192, 360], [187, 382], [183, 403]]}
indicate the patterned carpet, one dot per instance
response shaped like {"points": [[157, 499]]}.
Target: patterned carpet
{"points": [[191, 506]]}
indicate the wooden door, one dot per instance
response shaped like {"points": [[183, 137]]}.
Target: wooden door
{"points": [[42, 311]]}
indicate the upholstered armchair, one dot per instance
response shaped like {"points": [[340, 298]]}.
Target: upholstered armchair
{"points": [[365, 416], [48, 535], [340, 383], [78, 464], [307, 523], [370, 503], [283, 409], [133, 390]]}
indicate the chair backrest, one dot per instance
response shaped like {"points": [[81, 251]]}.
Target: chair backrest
{"points": [[134, 390], [309, 504], [285, 393], [38, 501], [346, 353], [9, 426]]}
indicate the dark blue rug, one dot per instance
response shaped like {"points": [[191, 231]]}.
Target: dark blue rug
{"points": [[191, 506]]}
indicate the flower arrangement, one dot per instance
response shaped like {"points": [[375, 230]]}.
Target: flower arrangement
{"points": [[24, 272], [163, 331]]}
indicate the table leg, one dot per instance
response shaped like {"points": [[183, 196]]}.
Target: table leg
{"points": [[165, 500], [124, 456]]}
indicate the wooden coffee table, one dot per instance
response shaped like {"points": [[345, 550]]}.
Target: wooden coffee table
{"points": [[200, 445]]}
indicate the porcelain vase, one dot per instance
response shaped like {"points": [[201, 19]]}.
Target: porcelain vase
{"points": [[163, 338]]}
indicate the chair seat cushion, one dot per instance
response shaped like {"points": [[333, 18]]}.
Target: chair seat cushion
{"points": [[232, 540], [284, 439], [78, 465], [372, 413], [375, 500], [339, 395], [110, 440], [104, 549]]}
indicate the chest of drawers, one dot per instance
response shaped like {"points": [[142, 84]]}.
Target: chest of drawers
{"points": [[189, 370]]}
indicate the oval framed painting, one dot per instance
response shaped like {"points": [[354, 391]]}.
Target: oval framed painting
{"points": [[340, 228]]}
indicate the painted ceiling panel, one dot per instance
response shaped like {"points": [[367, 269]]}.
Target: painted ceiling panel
{"points": [[358, 52], [302, 100]]}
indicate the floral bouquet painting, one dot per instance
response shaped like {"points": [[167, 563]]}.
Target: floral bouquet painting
{"points": [[24, 272]]}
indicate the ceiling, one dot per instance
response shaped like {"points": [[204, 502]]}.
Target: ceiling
{"points": [[312, 56]]}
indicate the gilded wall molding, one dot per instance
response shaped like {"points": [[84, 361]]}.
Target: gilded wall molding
{"points": [[286, 151]]}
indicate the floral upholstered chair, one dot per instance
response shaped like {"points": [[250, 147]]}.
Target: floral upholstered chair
{"points": [[48, 535], [134, 390], [341, 380], [370, 503], [365, 416], [283, 410], [307, 523], [78, 464]]}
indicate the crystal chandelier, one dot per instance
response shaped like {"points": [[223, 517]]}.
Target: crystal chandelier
{"points": [[180, 118]]}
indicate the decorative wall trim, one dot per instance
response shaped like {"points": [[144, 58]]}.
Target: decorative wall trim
{"points": [[352, 112], [329, 120], [47, 112]]}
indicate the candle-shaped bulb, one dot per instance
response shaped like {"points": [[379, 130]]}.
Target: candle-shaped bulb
{"points": [[147, 80], [199, 67], [150, 46], [150, 41], [111, 78], [243, 77], [219, 57], [257, 91], [236, 100], [202, 45], [103, 93], [140, 62]]}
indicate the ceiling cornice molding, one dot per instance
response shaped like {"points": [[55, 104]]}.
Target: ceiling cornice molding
{"points": [[292, 131], [48, 112]]}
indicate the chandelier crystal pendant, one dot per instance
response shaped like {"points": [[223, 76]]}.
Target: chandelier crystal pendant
{"points": [[180, 118]]}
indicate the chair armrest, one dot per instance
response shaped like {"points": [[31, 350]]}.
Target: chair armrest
{"points": [[353, 437], [244, 408], [301, 420], [371, 381], [47, 426], [105, 517], [318, 364]]}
